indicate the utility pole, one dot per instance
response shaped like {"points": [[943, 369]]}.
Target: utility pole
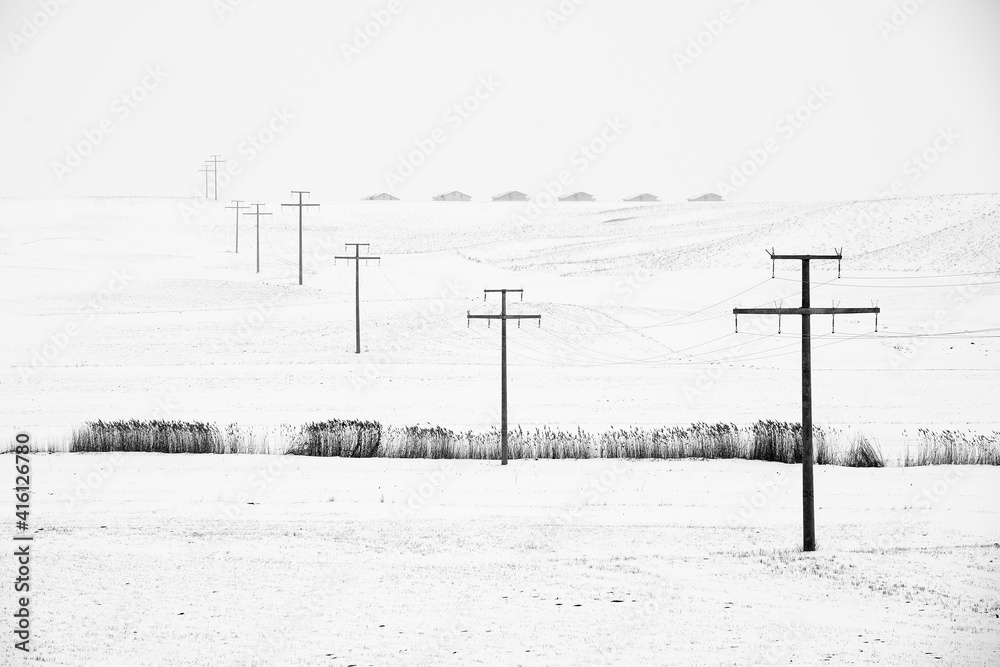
{"points": [[808, 513], [238, 209], [257, 215], [215, 175], [205, 169], [503, 317], [300, 205], [357, 287]]}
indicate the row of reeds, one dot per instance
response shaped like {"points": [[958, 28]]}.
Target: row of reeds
{"points": [[762, 441], [951, 447]]}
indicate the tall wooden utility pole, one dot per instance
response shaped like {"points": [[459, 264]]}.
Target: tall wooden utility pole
{"points": [[257, 215], [215, 175], [238, 208], [808, 513], [205, 168], [357, 287], [503, 317], [300, 205]]}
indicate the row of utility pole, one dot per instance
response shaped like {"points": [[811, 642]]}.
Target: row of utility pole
{"points": [[805, 311], [212, 167], [237, 206]]}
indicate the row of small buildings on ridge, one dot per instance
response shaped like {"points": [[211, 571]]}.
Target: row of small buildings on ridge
{"points": [[520, 196]]}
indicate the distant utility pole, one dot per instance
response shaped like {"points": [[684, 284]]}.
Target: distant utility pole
{"points": [[257, 215], [503, 317], [357, 287], [238, 209], [808, 514], [215, 175], [205, 168], [300, 205]]}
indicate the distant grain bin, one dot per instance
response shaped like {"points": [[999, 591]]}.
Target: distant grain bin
{"points": [[645, 196], [511, 196], [578, 196], [382, 196], [453, 196], [711, 196]]}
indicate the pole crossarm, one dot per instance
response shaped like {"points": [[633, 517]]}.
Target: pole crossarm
{"points": [[805, 311], [837, 257]]}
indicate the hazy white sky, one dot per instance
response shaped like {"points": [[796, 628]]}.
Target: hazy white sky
{"points": [[666, 115]]}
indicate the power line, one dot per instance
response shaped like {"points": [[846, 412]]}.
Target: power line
{"points": [[931, 277], [881, 286]]}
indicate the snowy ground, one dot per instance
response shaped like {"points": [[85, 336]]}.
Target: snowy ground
{"points": [[263, 560], [122, 308], [140, 308]]}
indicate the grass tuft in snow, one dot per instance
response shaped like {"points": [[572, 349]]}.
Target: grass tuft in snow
{"points": [[954, 448], [163, 437]]}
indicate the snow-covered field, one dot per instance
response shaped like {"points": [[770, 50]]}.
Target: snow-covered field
{"points": [[121, 308], [140, 308], [261, 560]]}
